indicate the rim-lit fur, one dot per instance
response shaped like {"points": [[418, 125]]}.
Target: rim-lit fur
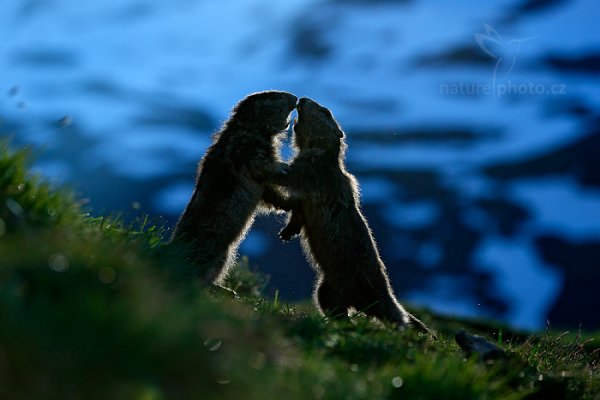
{"points": [[336, 237], [235, 176]]}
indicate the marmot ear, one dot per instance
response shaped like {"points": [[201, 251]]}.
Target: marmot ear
{"points": [[340, 134]]}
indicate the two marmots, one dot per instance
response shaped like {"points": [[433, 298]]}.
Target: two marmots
{"points": [[240, 171]]}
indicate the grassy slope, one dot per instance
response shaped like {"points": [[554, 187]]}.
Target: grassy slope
{"points": [[90, 308]]}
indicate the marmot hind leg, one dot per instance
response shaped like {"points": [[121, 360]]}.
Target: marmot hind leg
{"points": [[420, 326], [330, 301], [217, 273], [388, 309]]}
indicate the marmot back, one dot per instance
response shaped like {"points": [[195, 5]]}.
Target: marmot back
{"points": [[237, 173], [335, 235]]}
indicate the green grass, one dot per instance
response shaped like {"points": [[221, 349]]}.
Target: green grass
{"points": [[92, 308]]}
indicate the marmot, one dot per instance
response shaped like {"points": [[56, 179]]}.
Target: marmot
{"points": [[335, 235], [236, 175]]}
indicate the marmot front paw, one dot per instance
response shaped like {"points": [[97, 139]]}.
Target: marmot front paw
{"points": [[282, 168], [286, 234]]}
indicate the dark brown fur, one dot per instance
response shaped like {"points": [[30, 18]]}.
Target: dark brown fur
{"points": [[235, 176], [335, 235]]}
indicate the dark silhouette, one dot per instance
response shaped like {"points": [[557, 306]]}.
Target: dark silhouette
{"points": [[236, 176], [335, 235]]}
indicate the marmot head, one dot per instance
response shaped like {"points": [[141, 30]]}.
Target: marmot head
{"points": [[316, 128], [266, 112]]}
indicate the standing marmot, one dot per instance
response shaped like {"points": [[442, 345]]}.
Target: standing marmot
{"points": [[336, 237], [234, 176]]}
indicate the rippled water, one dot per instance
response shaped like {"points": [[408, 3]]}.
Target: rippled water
{"points": [[473, 128]]}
